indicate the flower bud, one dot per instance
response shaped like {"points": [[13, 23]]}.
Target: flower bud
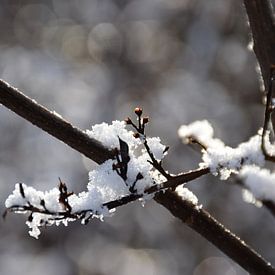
{"points": [[145, 120], [138, 111]]}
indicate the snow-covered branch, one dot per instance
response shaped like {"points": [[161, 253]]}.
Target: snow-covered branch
{"points": [[245, 161], [135, 173]]}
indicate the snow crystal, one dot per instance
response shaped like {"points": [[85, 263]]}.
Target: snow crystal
{"points": [[187, 195], [260, 182]]}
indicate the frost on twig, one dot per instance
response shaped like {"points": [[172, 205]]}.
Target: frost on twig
{"points": [[135, 173], [199, 132], [245, 160], [221, 159]]}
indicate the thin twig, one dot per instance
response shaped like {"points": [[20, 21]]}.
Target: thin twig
{"points": [[140, 128]]}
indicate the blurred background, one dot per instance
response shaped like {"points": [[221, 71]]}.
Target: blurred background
{"points": [[95, 60]]}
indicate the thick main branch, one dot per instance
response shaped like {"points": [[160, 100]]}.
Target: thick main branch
{"points": [[216, 233]]}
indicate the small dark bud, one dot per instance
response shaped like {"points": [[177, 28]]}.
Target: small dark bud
{"points": [[145, 120], [128, 120], [42, 202], [136, 135], [138, 111]]}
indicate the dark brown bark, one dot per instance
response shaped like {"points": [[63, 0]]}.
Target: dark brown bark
{"points": [[261, 21], [52, 124]]}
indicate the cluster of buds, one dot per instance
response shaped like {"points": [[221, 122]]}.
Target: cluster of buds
{"points": [[142, 121]]}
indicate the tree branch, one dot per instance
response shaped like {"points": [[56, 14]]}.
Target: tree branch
{"points": [[204, 224], [197, 219], [261, 21], [52, 123]]}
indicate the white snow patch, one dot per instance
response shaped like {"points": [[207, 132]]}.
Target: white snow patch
{"points": [[187, 195], [202, 131], [260, 182]]}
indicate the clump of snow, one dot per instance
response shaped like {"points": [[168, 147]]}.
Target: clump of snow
{"points": [[156, 147], [226, 160], [260, 182], [202, 131], [249, 198], [104, 184], [108, 134], [187, 195], [41, 200], [34, 197]]}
